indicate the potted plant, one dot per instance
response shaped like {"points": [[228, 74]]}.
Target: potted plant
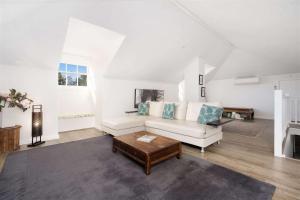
{"points": [[12, 100]]}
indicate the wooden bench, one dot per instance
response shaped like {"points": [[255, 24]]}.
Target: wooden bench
{"points": [[245, 113]]}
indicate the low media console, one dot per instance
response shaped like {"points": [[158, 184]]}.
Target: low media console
{"points": [[245, 113]]}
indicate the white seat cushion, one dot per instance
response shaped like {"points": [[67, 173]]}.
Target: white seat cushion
{"points": [[125, 122], [188, 128], [156, 108]]}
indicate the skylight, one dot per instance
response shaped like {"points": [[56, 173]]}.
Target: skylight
{"points": [[91, 41]]}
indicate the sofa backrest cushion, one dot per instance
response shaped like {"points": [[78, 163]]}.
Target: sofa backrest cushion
{"points": [[193, 109], [217, 104], [180, 111], [156, 108]]}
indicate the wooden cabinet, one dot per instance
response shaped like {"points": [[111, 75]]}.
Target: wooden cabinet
{"points": [[9, 139]]}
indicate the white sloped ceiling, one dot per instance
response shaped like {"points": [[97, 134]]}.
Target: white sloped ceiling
{"points": [[266, 34], [160, 39]]}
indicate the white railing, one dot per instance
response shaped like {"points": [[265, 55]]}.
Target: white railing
{"points": [[293, 109], [280, 120], [286, 112]]}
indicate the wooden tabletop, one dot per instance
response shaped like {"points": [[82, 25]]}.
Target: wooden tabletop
{"points": [[220, 122], [157, 144], [231, 109], [10, 127]]}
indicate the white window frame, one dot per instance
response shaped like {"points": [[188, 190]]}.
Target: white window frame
{"points": [[77, 73]]}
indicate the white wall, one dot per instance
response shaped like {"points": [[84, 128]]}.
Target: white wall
{"points": [[77, 100], [75, 123], [73, 100], [118, 95], [192, 90], [291, 87], [113, 98], [258, 96], [40, 84]]}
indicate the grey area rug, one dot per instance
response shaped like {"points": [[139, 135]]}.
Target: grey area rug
{"points": [[248, 128], [89, 170]]}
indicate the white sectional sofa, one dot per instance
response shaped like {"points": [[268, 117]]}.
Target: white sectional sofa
{"points": [[184, 127]]}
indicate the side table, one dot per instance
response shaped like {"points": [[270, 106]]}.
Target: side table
{"points": [[9, 139]]}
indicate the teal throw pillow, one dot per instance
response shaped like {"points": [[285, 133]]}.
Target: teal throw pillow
{"points": [[169, 111], [143, 109], [209, 114]]}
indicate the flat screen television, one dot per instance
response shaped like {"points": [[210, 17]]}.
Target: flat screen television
{"points": [[143, 95]]}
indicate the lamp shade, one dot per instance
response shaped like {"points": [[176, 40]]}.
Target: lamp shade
{"points": [[37, 121]]}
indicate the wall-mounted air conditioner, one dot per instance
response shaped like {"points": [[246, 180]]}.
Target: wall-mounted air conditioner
{"points": [[246, 80]]}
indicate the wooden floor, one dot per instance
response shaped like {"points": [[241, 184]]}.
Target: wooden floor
{"points": [[252, 156]]}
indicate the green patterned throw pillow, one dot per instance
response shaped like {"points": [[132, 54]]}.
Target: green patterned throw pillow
{"points": [[169, 111], [209, 114], [143, 109]]}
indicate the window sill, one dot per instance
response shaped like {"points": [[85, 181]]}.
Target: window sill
{"points": [[76, 116], [72, 86]]}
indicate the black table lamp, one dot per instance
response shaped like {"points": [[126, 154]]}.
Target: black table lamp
{"points": [[37, 125]]}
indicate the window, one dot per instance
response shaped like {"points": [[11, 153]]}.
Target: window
{"points": [[72, 75]]}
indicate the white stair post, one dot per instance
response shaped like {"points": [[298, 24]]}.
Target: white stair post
{"points": [[278, 122]]}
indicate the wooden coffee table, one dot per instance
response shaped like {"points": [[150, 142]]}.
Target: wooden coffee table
{"points": [[148, 154]]}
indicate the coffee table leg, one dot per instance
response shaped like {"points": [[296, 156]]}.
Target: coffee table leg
{"points": [[114, 149], [180, 150], [147, 166]]}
